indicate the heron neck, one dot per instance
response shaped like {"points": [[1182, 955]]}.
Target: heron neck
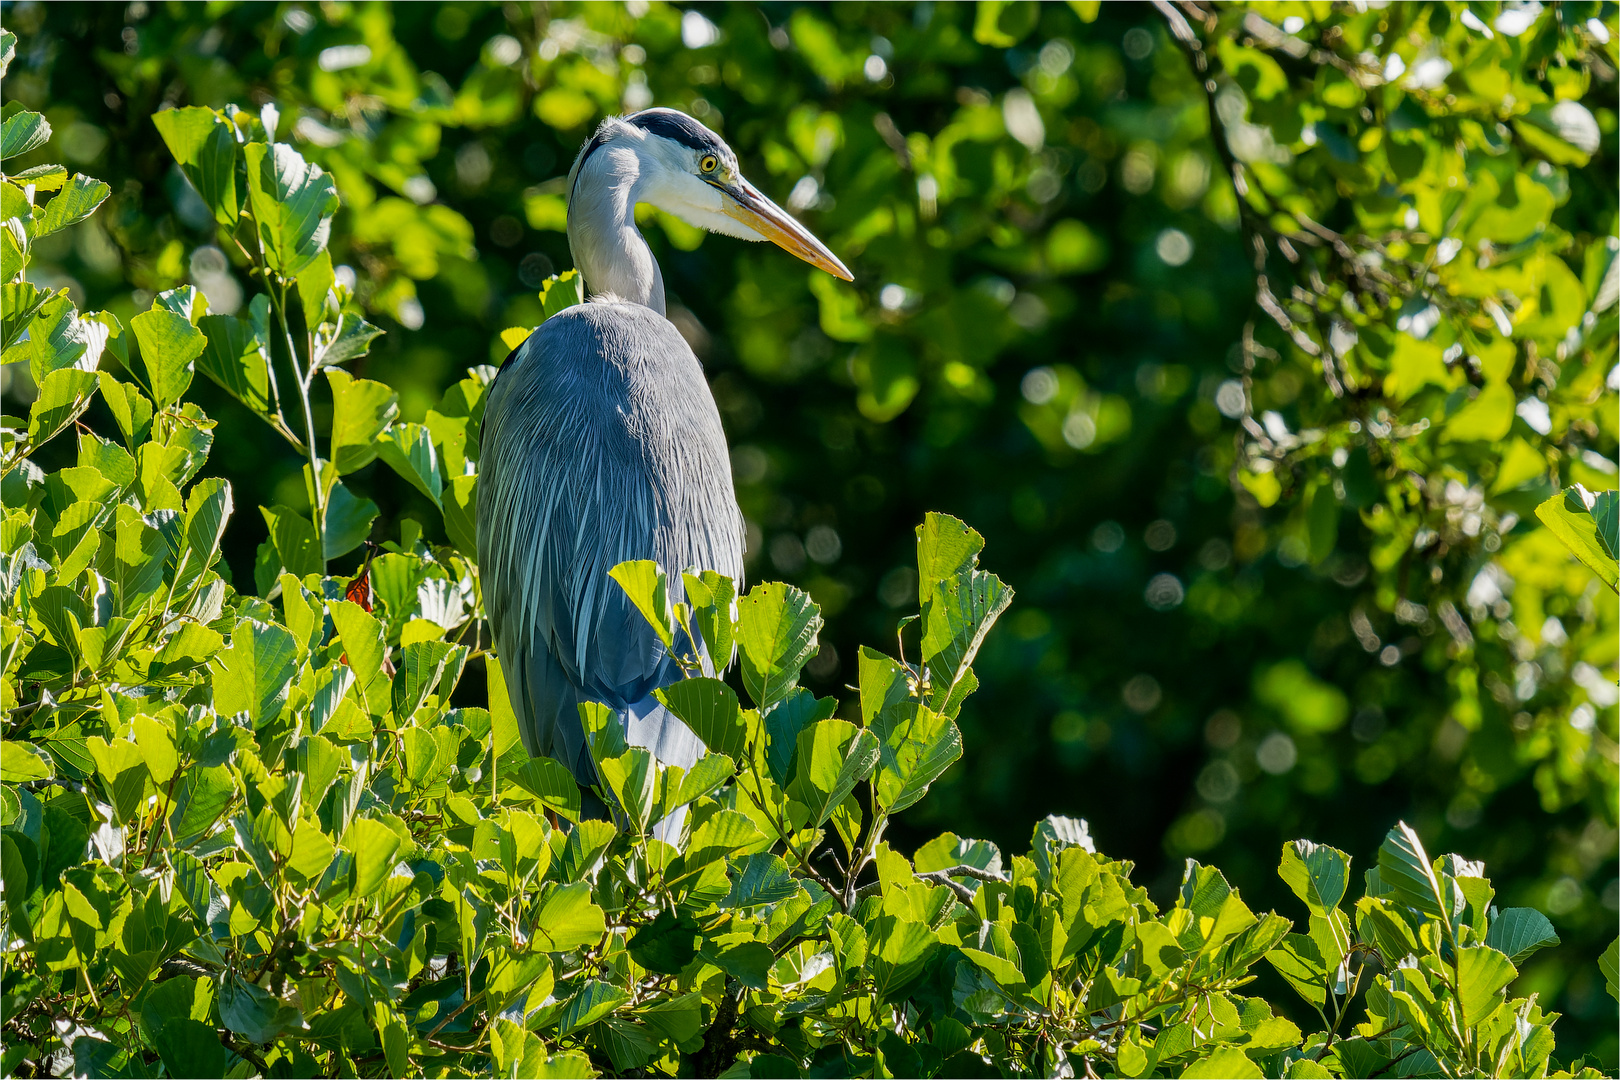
{"points": [[609, 250]]}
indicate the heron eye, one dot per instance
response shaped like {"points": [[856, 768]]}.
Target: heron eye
{"points": [[709, 163]]}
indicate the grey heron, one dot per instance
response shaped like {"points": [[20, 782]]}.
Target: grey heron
{"points": [[602, 443]]}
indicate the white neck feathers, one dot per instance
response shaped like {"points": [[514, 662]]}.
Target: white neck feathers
{"points": [[609, 250]]}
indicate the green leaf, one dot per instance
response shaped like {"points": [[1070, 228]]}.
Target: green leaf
{"points": [[75, 202], [48, 177], [1226, 1062], [1609, 964], [417, 673], [633, 779], [1488, 418], [1318, 874], [701, 779], [776, 635], [665, 945], [361, 411], [169, 346], [314, 286], [131, 409], [185, 301], [293, 202], [374, 847], [504, 733], [63, 396], [156, 747], [123, 774], [834, 756], [190, 1048], [959, 602], [567, 919], [604, 731], [761, 878], [1380, 922], [749, 963], [1606, 515], [710, 597], [1564, 133], [23, 132], [21, 762], [1403, 866], [252, 1011], [349, 519], [884, 683], [200, 801], [1482, 972], [1518, 932], [237, 356], [253, 675], [365, 649], [595, 1000], [678, 1019], [1300, 963], [917, 746], [59, 338], [347, 339], [293, 538], [1569, 515], [408, 450], [643, 582], [710, 708], [205, 148], [552, 784], [461, 514], [721, 836], [208, 508], [783, 723], [20, 301], [140, 552], [561, 292]]}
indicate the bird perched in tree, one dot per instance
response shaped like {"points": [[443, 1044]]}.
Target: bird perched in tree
{"points": [[602, 444]]}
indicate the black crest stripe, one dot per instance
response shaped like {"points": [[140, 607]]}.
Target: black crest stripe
{"points": [[676, 126]]}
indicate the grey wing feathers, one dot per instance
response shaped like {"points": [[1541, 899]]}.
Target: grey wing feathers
{"points": [[601, 443]]}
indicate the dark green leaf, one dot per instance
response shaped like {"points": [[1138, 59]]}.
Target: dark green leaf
{"points": [[665, 945], [1518, 932], [749, 963], [237, 357]]}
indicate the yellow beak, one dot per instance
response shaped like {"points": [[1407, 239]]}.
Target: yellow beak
{"points": [[743, 202]]}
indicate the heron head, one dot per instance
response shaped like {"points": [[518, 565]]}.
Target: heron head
{"points": [[689, 171]]}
